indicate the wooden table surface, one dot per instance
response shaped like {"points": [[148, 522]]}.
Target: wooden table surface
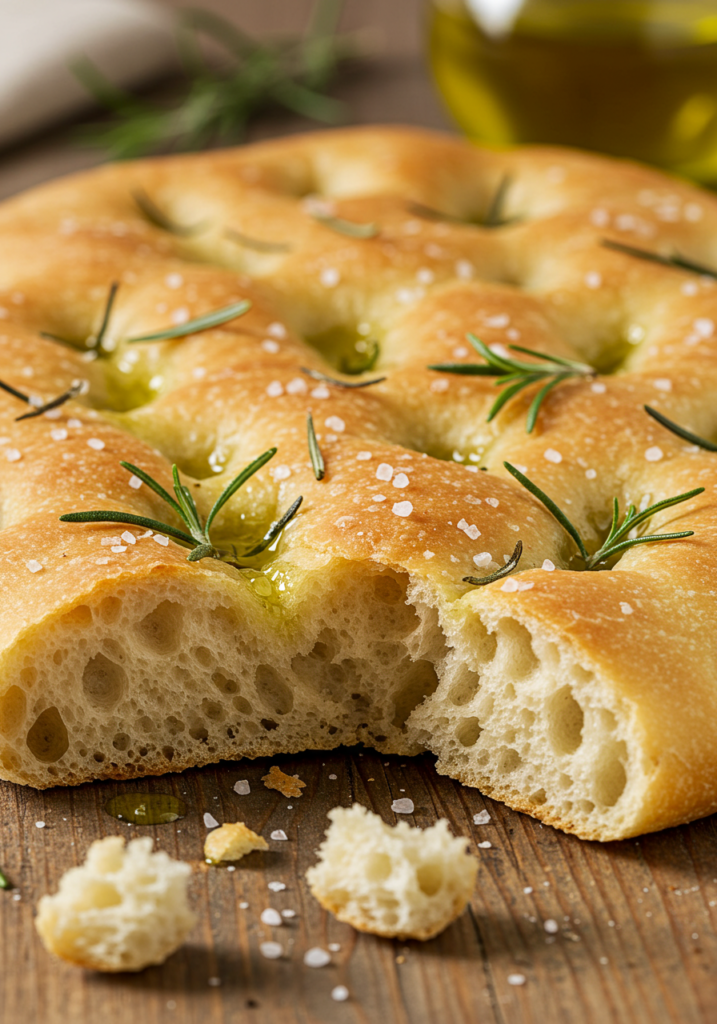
{"points": [[635, 939]]}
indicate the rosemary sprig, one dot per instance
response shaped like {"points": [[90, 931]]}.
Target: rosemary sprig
{"points": [[317, 459], [686, 435], [220, 98], [94, 341], [618, 538], [200, 323], [5, 882], [258, 244], [350, 228], [325, 379], [518, 375], [492, 218], [79, 387], [482, 581], [160, 219], [198, 536], [676, 262]]}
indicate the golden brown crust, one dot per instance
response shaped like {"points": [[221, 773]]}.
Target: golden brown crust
{"points": [[419, 285]]}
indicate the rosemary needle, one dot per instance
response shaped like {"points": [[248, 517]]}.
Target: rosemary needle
{"points": [[79, 387], [553, 370], [676, 262], [258, 244], [325, 379], [493, 217], [618, 538], [686, 435], [482, 581], [5, 882], [350, 228], [94, 342], [317, 459], [160, 219], [200, 323], [197, 537]]}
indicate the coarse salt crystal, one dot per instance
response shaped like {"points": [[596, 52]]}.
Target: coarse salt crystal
{"points": [[402, 509], [58, 434], [485, 845], [593, 279], [599, 217], [317, 957], [493, 502], [335, 423], [276, 886], [180, 316], [329, 277], [428, 555], [13, 455], [210, 821], [281, 473], [654, 454], [118, 548], [320, 392], [704, 327], [270, 950], [499, 321], [269, 345], [378, 497], [363, 456], [483, 559], [551, 926], [663, 384], [242, 787], [174, 281], [39, 824], [135, 482], [161, 539], [552, 455], [384, 472], [626, 608], [598, 388], [74, 423], [510, 586], [464, 269], [590, 474], [129, 538], [33, 565], [333, 777], [288, 913], [297, 386], [548, 566], [439, 386], [339, 994], [689, 288], [516, 979], [96, 443], [271, 917], [402, 806], [400, 480], [460, 352], [481, 818], [528, 889], [275, 389], [425, 276], [278, 834]]}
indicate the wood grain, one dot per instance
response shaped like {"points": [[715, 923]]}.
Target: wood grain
{"points": [[635, 941]]}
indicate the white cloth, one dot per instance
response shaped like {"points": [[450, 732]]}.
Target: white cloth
{"points": [[128, 40]]}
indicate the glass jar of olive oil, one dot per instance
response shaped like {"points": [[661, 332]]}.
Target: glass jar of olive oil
{"points": [[634, 78]]}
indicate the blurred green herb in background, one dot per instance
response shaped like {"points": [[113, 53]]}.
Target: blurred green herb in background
{"points": [[291, 73]]}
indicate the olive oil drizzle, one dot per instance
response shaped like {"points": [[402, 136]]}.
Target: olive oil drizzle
{"points": [[146, 808]]}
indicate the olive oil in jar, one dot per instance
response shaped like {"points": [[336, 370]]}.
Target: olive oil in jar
{"points": [[636, 79]]}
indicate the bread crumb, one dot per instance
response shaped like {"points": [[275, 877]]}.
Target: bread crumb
{"points": [[232, 842], [287, 785], [394, 881], [122, 910]]}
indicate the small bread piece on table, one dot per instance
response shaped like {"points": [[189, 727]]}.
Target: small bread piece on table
{"points": [[232, 842], [287, 785], [395, 881], [124, 909]]}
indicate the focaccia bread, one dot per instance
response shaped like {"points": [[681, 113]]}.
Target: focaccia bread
{"points": [[586, 698]]}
